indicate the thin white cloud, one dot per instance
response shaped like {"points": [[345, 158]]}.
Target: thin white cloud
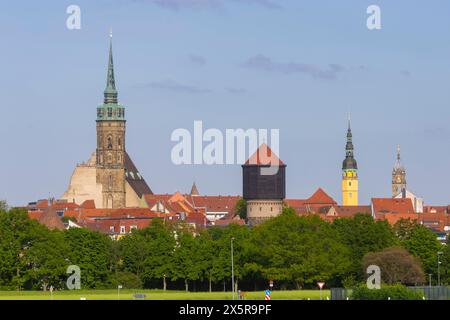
{"points": [[265, 63], [174, 86]]}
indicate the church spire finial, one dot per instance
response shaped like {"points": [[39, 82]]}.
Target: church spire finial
{"points": [[110, 90], [349, 121], [398, 152]]}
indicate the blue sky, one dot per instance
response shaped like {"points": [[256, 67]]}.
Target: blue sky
{"points": [[183, 60]]}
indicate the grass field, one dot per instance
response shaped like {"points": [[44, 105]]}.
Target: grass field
{"points": [[157, 295]]}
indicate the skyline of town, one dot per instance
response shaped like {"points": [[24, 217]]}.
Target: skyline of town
{"points": [[165, 86]]}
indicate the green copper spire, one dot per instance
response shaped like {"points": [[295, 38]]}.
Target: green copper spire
{"points": [[110, 110], [110, 90]]}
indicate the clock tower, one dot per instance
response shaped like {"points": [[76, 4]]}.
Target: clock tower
{"points": [[398, 176], [349, 173]]}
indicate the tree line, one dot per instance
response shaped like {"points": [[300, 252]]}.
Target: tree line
{"points": [[295, 252]]}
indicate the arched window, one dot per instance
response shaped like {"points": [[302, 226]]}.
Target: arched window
{"points": [[119, 143], [109, 142]]}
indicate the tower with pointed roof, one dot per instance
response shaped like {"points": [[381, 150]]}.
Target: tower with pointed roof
{"points": [[111, 142], [349, 173], [264, 189], [110, 177], [398, 176], [194, 190]]}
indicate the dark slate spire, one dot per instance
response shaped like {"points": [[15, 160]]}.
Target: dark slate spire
{"points": [[349, 162], [110, 110], [110, 90]]}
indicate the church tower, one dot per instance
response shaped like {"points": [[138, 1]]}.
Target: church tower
{"points": [[349, 174], [109, 177], [398, 176], [110, 155]]}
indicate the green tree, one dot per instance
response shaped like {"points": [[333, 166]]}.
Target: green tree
{"points": [[186, 259], [31, 256], [445, 263], [362, 234], [221, 264], [420, 242], [47, 260], [207, 251], [302, 250], [92, 252], [127, 280], [397, 266], [3, 206], [241, 209], [148, 253]]}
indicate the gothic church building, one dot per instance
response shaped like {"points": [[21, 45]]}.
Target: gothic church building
{"points": [[110, 177]]}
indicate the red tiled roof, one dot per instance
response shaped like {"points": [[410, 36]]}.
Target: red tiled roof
{"points": [[42, 204], [392, 205], [350, 211], [50, 219], [264, 156], [393, 209], [198, 219], [215, 203], [320, 197], [88, 204]]}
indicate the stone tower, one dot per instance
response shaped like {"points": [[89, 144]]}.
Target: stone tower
{"points": [[264, 189], [111, 143], [109, 177], [349, 173], [398, 176]]}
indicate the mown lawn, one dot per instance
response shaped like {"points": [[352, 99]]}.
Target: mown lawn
{"points": [[157, 295]]}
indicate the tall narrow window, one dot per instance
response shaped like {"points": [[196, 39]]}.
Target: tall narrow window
{"points": [[110, 182], [119, 143], [109, 143], [109, 202]]}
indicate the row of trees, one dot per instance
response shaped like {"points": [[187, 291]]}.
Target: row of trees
{"points": [[293, 251]]}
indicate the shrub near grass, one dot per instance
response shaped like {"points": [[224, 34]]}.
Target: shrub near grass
{"points": [[397, 292]]}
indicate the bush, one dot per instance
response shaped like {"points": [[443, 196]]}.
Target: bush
{"points": [[397, 292]]}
